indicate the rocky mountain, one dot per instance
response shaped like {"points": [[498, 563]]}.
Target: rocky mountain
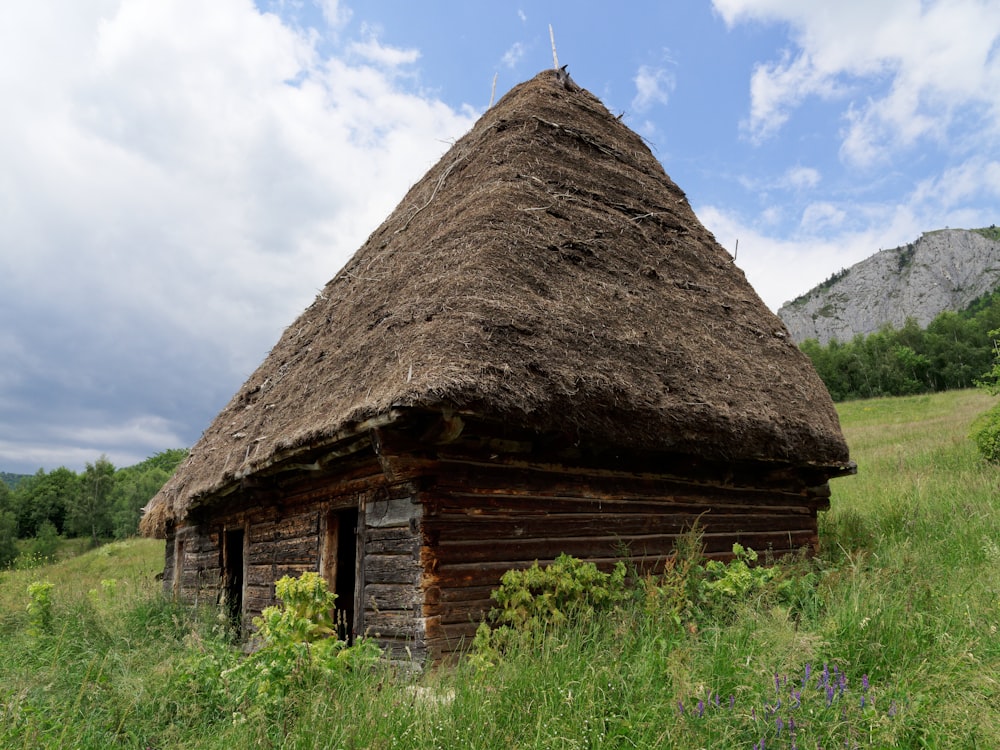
{"points": [[945, 269]]}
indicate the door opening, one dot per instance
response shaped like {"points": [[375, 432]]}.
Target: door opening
{"points": [[232, 576], [339, 563]]}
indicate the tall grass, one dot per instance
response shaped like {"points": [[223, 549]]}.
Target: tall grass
{"points": [[902, 619]]}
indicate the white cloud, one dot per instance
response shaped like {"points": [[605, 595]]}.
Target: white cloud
{"points": [[179, 179], [335, 14], [522, 15], [513, 55], [822, 216], [391, 57], [653, 85], [801, 177], [917, 65]]}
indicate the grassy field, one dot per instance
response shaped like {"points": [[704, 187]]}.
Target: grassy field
{"points": [[888, 639]]}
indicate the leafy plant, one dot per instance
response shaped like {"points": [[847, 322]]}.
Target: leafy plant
{"points": [[40, 608], [300, 643], [537, 600], [985, 434]]}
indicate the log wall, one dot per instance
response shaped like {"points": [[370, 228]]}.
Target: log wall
{"points": [[481, 520], [437, 529]]}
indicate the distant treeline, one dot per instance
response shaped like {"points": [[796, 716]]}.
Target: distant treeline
{"points": [[954, 351], [101, 502]]}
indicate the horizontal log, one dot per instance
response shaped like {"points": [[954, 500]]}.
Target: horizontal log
{"points": [[492, 528], [404, 544], [457, 472], [303, 550], [383, 596], [394, 625], [260, 575], [434, 594], [463, 612], [441, 501], [535, 549], [455, 634], [392, 512], [297, 526], [392, 569]]}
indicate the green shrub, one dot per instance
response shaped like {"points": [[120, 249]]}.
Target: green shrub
{"points": [[40, 607], [538, 600], [300, 643], [986, 434]]}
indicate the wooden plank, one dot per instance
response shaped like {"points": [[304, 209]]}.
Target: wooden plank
{"points": [[440, 501], [392, 512], [297, 526], [491, 528], [392, 569], [394, 625], [382, 596]]}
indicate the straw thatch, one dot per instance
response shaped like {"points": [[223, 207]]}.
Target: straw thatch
{"points": [[546, 272]]}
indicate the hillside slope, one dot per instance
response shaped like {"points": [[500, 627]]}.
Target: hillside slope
{"points": [[943, 270]]}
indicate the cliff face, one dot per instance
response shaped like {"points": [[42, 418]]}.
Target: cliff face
{"points": [[944, 270]]}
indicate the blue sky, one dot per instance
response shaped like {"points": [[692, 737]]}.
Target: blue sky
{"points": [[180, 178]]}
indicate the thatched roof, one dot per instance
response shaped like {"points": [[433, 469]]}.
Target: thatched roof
{"points": [[546, 272]]}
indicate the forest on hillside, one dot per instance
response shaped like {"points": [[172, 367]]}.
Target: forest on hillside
{"points": [[101, 502], [953, 351]]}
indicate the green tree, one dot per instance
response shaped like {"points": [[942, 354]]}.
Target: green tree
{"points": [[90, 511], [44, 497], [136, 485], [8, 538]]}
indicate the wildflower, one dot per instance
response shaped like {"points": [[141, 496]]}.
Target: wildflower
{"points": [[777, 682], [864, 682], [780, 724], [701, 709], [716, 700], [829, 695], [680, 707], [732, 702]]}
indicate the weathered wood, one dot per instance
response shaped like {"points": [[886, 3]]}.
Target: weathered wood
{"points": [[392, 569], [392, 512], [383, 597], [493, 527], [394, 624]]}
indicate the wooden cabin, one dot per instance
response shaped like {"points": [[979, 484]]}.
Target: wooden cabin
{"points": [[541, 350]]}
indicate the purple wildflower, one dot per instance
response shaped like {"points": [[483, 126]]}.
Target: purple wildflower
{"points": [[862, 701], [829, 695], [716, 700], [780, 724], [680, 707], [777, 682], [732, 702], [864, 682], [797, 698], [701, 709]]}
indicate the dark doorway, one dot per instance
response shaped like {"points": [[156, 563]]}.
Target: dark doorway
{"points": [[232, 576], [339, 563]]}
